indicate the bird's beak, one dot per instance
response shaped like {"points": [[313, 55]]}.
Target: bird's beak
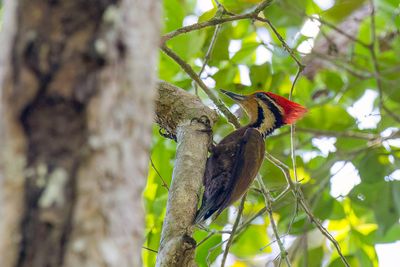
{"points": [[234, 96]]}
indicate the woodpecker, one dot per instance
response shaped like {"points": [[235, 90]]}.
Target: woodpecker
{"points": [[236, 160]]}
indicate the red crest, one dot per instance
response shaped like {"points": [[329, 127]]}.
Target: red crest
{"points": [[292, 110]]}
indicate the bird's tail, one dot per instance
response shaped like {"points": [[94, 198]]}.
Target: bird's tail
{"points": [[205, 211], [199, 216]]}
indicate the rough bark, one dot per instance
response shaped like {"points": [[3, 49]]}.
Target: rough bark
{"points": [[175, 111], [175, 106], [11, 185], [77, 105]]}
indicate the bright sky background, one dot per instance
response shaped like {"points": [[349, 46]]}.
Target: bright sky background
{"points": [[344, 175]]}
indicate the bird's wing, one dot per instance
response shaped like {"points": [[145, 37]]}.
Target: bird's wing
{"points": [[217, 178], [247, 164], [227, 177]]}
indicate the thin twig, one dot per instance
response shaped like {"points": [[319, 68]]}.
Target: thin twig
{"points": [[210, 48], [247, 223], [150, 249], [205, 239], [372, 49], [215, 21], [391, 113], [201, 25], [299, 195], [294, 165], [164, 184], [284, 44], [212, 249], [282, 194], [300, 69], [188, 69], [283, 167], [272, 242], [239, 230], [224, 10], [296, 211], [268, 203], [234, 229], [322, 228], [292, 128], [347, 134], [347, 66]]}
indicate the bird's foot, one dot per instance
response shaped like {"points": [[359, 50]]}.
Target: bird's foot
{"points": [[205, 121], [163, 132]]}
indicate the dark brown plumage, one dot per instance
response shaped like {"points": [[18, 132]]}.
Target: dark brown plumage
{"points": [[236, 160]]}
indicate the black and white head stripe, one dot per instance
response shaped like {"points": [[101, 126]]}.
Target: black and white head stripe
{"points": [[270, 115]]}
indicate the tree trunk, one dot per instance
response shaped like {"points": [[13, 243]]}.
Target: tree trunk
{"points": [[78, 84], [175, 112]]}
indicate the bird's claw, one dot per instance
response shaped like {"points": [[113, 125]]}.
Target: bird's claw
{"points": [[163, 132], [205, 121]]}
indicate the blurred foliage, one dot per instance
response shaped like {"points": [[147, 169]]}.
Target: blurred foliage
{"points": [[363, 216]]}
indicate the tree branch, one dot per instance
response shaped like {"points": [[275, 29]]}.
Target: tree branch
{"points": [[347, 134], [188, 69], [215, 21], [284, 44], [164, 184], [268, 203], [175, 112], [300, 197], [233, 232]]}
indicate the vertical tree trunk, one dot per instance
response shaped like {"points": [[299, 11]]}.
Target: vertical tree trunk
{"points": [[177, 111], [76, 114]]}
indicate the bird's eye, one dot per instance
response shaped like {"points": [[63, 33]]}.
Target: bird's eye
{"points": [[261, 96]]}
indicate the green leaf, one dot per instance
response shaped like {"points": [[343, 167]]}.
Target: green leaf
{"points": [[330, 80], [278, 79], [348, 144], [188, 45], [250, 243], [286, 13], [327, 117], [220, 51], [174, 14], [238, 6], [381, 197], [259, 76], [342, 9], [392, 235], [328, 208], [245, 54], [208, 14], [203, 251], [301, 223], [352, 260], [373, 167], [324, 206], [313, 258], [223, 78]]}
